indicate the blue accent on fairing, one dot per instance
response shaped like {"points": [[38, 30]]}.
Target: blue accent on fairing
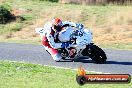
{"points": [[80, 26], [65, 44]]}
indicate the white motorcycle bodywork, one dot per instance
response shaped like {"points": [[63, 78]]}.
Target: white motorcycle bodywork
{"points": [[83, 36]]}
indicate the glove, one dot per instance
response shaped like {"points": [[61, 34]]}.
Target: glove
{"points": [[65, 44], [80, 26]]}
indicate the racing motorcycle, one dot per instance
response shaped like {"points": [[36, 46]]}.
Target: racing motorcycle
{"points": [[81, 45]]}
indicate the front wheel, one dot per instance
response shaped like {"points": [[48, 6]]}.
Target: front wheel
{"points": [[95, 53]]}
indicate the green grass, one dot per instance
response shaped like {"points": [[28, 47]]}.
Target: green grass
{"points": [[25, 75], [121, 46], [23, 41], [12, 27], [41, 8]]}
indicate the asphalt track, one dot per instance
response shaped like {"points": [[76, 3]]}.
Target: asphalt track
{"points": [[119, 61]]}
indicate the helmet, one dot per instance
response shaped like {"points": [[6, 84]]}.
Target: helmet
{"points": [[57, 23]]}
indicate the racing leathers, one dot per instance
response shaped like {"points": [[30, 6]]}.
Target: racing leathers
{"points": [[50, 39]]}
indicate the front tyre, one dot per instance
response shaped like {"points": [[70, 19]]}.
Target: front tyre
{"points": [[95, 53]]}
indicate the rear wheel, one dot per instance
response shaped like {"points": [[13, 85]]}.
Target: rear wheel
{"points": [[95, 53]]}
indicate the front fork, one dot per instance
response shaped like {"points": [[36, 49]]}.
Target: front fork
{"points": [[87, 50]]}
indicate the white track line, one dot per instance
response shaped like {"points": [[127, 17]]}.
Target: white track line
{"points": [[76, 69], [60, 67]]}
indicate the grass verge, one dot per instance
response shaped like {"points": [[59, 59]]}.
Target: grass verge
{"points": [[25, 75]]}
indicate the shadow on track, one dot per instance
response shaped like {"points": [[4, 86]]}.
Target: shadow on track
{"points": [[80, 59], [88, 60], [107, 62], [118, 63]]}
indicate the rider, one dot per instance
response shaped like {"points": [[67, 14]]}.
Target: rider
{"points": [[50, 37]]}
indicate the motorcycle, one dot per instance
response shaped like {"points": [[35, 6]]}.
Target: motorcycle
{"points": [[81, 45]]}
